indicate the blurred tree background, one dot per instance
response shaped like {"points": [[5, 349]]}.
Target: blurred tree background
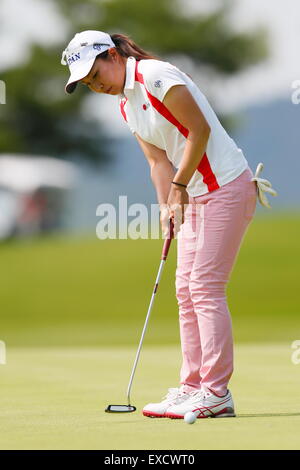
{"points": [[39, 118]]}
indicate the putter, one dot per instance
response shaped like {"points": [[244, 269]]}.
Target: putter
{"points": [[130, 408]]}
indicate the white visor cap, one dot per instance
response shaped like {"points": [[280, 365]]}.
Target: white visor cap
{"points": [[81, 52]]}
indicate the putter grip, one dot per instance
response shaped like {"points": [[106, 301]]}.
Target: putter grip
{"points": [[168, 240]]}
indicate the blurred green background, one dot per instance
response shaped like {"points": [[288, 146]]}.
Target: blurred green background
{"points": [[83, 291]]}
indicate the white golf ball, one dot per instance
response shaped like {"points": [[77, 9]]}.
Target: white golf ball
{"points": [[190, 417]]}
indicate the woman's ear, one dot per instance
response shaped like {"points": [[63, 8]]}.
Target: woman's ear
{"points": [[113, 53]]}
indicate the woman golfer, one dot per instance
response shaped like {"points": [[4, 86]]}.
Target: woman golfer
{"points": [[211, 199]]}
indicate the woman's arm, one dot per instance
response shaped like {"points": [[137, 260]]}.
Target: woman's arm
{"points": [[182, 105], [161, 169]]}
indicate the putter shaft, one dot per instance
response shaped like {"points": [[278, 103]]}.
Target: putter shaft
{"points": [[165, 251], [144, 329]]}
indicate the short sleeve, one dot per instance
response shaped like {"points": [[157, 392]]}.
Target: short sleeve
{"points": [[160, 76]]}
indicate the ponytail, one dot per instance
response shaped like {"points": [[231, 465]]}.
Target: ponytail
{"points": [[126, 47]]}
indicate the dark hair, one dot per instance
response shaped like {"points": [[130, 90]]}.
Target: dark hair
{"points": [[126, 47]]}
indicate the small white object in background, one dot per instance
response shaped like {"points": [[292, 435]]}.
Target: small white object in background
{"points": [[190, 417], [263, 186], [2, 353]]}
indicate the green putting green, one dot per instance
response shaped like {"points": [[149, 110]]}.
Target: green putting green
{"points": [[54, 398], [72, 312]]}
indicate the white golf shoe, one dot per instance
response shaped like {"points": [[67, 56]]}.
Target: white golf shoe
{"points": [[206, 404], [175, 396]]}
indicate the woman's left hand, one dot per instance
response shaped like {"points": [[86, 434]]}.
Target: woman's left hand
{"points": [[177, 203]]}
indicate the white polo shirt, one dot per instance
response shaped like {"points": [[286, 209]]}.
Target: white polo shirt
{"points": [[147, 82]]}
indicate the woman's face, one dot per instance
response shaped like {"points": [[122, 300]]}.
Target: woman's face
{"points": [[107, 75]]}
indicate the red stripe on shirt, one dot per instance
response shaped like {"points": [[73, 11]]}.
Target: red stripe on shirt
{"points": [[122, 105], [208, 175], [138, 76], [159, 106], [204, 166]]}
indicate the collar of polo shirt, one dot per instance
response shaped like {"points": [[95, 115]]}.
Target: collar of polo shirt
{"points": [[130, 73]]}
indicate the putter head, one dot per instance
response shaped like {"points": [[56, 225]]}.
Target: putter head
{"points": [[120, 409]]}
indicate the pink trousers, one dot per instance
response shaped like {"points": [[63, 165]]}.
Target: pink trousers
{"points": [[207, 246]]}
